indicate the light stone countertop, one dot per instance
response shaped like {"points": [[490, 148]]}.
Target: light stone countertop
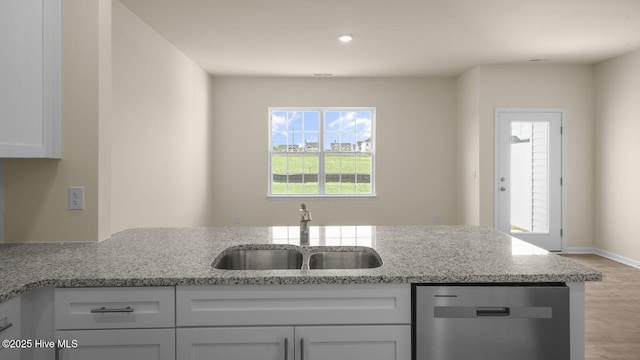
{"points": [[183, 256]]}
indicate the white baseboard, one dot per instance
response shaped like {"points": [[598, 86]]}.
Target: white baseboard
{"points": [[604, 254]]}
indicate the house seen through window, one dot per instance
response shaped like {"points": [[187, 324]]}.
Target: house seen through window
{"points": [[321, 151]]}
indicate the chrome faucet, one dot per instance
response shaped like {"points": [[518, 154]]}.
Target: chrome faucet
{"points": [[305, 217]]}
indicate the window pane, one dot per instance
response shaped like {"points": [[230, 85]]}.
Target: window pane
{"points": [[530, 177], [332, 141], [311, 141], [311, 121], [364, 121], [348, 141], [309, 181], [348, 120], [332, 120], [279, 121], [295, 121], [279, 173], [363, 164]]}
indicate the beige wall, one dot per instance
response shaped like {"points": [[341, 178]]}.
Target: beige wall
{"points": [[467, 146], [617, 155], [551, 86], [36, 190], [160, 131], [415, 153], [178, 148]]}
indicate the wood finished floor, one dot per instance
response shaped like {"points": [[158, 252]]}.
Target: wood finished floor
{"points": [[612, 310]]}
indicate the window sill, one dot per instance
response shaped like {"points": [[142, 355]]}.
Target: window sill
{"points": [[305, 196]]}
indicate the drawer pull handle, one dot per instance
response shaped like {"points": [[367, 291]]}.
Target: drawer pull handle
{"points": [[104, 310], [6, 327]]}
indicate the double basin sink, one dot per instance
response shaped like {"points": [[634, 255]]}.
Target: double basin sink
{"points": [[283, 257]]}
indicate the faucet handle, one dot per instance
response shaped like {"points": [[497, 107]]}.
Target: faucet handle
{"points": [[305, 215]]}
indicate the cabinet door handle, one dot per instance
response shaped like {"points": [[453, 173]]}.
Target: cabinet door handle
{"points": [[6, 327], [286, 348], [301, 348], [103, 310], [57, 355]]}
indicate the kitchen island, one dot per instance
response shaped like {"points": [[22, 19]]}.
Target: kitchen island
{"points": [[182, 257]]}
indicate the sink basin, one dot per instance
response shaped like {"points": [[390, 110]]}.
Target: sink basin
{"points": [[258, 259], [351, 259]]}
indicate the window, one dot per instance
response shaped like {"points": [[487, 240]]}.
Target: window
{"points": [[321, 151]]}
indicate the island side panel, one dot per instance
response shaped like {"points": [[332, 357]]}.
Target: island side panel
{"points": [[576, 308]]}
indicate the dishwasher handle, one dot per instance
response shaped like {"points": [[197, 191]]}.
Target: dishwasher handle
{"points": [[493, 311]]}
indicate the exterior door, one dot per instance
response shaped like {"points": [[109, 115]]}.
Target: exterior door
{"points": [[529, 175]]}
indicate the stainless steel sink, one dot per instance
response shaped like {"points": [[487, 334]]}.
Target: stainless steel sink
{"points": [[350, 259], [258, 259]]}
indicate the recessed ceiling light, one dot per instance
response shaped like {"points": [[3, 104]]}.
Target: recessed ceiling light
{"points": [[345, 37]]}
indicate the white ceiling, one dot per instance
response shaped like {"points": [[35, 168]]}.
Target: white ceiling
{"points": [[391, 37]]}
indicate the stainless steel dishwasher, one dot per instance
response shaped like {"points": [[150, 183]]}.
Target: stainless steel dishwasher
{"points": [[491, 322]]}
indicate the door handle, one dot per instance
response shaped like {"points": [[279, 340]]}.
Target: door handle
{"points": [[302, 349], [502, 188]]}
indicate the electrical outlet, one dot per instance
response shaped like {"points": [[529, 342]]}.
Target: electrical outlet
{"points": [[436, 219], [76, 198], [238, 219]]}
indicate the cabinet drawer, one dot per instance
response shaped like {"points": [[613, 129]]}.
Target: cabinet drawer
{"points": [[293, 304], [10, 327], [110, 308], [138, 344]]}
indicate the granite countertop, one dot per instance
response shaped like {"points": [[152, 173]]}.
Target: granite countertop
{"points": [[183, 256]]}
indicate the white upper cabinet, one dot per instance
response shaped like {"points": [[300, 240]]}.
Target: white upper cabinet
{"points": [[30, 78]]}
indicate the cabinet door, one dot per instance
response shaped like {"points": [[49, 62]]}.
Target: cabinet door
{"points": [[10, 327], [30, 73], [384, 342], [146, 344], [241, 343]]}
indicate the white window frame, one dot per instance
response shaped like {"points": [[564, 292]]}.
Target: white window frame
{"points": [[321, 152]]}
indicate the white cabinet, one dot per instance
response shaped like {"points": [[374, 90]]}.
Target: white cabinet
{"points": [[115, 323], [246, 343], [360, 342], [114, 308], [367, 322], [138, 344], [247, 322], [30, 78], [10, 329], [236, 305]]}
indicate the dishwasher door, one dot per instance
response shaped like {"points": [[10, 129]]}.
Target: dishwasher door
{"points": [[491, 322]]}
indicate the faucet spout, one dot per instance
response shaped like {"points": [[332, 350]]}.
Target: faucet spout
{"points": [[305, 217]]}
